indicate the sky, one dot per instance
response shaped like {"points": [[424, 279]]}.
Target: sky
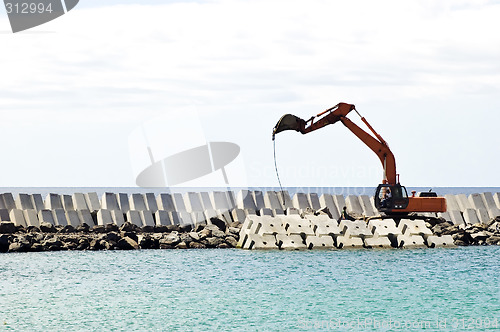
{"points": [[82, 97]]}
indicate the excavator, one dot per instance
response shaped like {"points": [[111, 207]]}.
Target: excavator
{"points": [[391, 198]]}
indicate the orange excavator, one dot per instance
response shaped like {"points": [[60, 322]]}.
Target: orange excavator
{"points": [[391, 197]]}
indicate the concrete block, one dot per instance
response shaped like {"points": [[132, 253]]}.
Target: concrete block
{"points": [[85, 217], [72, 218], [491, 206], [206, 201], [162, 218], [339, 201], [353, 205], [118, 217], [185, 218], [266, 212], [476, 202], [463, 202], [377, 242], [79, 201], [110, 202], [211, 213], [259, 242], [2, 203], [290, 242], [410, 241], [414, 227], [245, 231], [60, 217], [258, 198], [219, 200], [37, 202], [179, 202], [284, 198], [326, 200], [265, 225], [292, 211], [322, 225], [278, 212], [150, 200], [386, 227], [356, 228], [231, 199], [456, 217], [4, 215], [244, 200], [24, 202], [271, 201], [92, 201], [250, 212], [123, 202], [470, 217], [67, 202], [294, 225], [174, 217], [238, 215], [483, 216], [347, 242], [225, 215], [165, 202], [451, 202], [104, 217], [313, 200], [445, 215], [366, 205], [319, 242], [53, 201], [147, 218], [494, 212], [192, 202], [137, 203], [300, 201], [440, 241], [17, 217], [46, 216], [134, 217], [496, 198], [31, 217], [8, 200], [372, 202], [198, 218]]}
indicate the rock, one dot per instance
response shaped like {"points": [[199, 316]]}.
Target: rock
{"points": [[194, 236], [7, 227], [83, 228], [83, 244], [233, 230], [148, 229], [494, 227], [67, 229], [186, 228], [235, 224], [219, 234], [161, 229], [112, 228], [112, 236], [170, 239], [131, 235], [493, 240], [126, 243], [204, 234], [223, 245], [460, 243], [32, 229], [128, 227], [181, 245], [46, 227], [36, 247], [221, 224], [95, 244], [214, 241], [197, 245], [53, 243], [186, 238], [173, 228], [20, 229], [19, 247], [231, 241], [99, 229], [480, 236], [149, 242], [4, 243], [198, 228]]}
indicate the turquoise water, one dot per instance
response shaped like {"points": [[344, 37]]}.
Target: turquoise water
{"points": [[224, 290]]}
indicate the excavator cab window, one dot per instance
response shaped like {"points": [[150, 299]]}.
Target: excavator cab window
{"points": [[391, 197]]}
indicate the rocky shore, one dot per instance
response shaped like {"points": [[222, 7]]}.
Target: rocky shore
{"points": [[48, 237], [476, 234]]}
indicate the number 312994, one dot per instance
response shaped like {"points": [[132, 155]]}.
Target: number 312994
{"points": [[28, 8]]}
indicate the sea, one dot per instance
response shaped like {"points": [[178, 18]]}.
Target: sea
{"points": [[449, 289]]}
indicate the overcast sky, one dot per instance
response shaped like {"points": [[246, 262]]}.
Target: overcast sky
{"points": [[75, 92]]}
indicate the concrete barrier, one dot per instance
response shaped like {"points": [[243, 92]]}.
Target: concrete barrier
{"points": [[198, 218], [258, 198], [104, 217], [366, 205], [109, 201], [85, 217], [496, 198], [313, 200], [483, 216], [470, 217], [326, 200], [244, 201], [319, 242], [238, 215], [150, 200], [134, 217], [67, 202], [118, 217], [165, 202], [347, 242], [31, 217], [456, 217], [339, 201], [353, 205], [266, 212], [410, 241], [290, 242], [219, 200], [489, 202], [147, 218], [225, 215], [192, 202], [8, 200], [206, 201], [356, 228], [463, 202], [386, 227], [46, 216], [60, 217], [79, 201], [476, 202], [255, 241], [451, 202], [377, 242], [271, 201], [323, 225], [53, 201], [414, 227], [284, 198], [4, 215], [292, 211], [265, 225], [24, 202], [93, 201], [178, 202], [294, 225], [72, 218], [123, 202], [37, 202], [137, 203], [300, 201], [17, 217], [162, 218], [440, 241]]}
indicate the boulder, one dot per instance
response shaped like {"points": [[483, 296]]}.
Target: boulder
{"points": [[218, 233], [181, 245], [213, 242], [223, 245], [221, 224], [171, 239], [131, 235], [173, 228], [32, 229], [160, 229], [194, 236], [46, 227], [493, 240], [148, 229], [149, 242], [67, 229], [126, 243], [112, 228], [196, 245], [7, 227], [19, 247], [99, 229], [231, 241], [186, 238], [83, 228], [128, 227], [4, 243]]}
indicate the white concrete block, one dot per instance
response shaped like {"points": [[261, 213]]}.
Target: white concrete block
{"points": [[377, 242], [17, 217], [206, 201], [300, 201], [46, 216], [496, 198], [162, 218], [463, 202], [440, 241], [339, 201], [489, 202], [110, 202], [313, 200], [79, 201], [209, 214], [356, 228], [278, 212], [231, 199], [258, 198], [247, 226], [24, 202], [366, 205], [85, 218], [72, 218], [470, 217], [456, 217], [347, 242], [60, 217], [451, 202], [219, 200], [414, 227], [174, 217], [198, 218], [92, 201], [179, 202], [386, 227], [134, 217], [410, 241], [292, 211], [250, 212], [137, 202], [284, 198], [53, 201], [238, 215], [266, 225], [322, 225], [225, 215], [37, 202], [244, 200], [326, 200], [104, 217], [123, 202], [147, 218], [192, 202], [31, 217], [483, 216], [8, 200], [290, 242], [266, 212], [476, 202], [165, 202], [67, 202], [4, 215], [494, 212], [118, 217], [185, 218], [2, 203], [319, 242], [294, 225], [271, 201], [150, 200], [260, 242], [445, 215], [353, 205]]}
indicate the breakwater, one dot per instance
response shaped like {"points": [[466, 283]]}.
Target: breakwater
{"points": [[246, 219]]}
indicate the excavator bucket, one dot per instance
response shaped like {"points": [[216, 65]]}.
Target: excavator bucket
{"points": [[289, 122]]}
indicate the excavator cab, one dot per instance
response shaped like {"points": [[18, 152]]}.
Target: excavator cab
{"points": [[391, 198]]}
